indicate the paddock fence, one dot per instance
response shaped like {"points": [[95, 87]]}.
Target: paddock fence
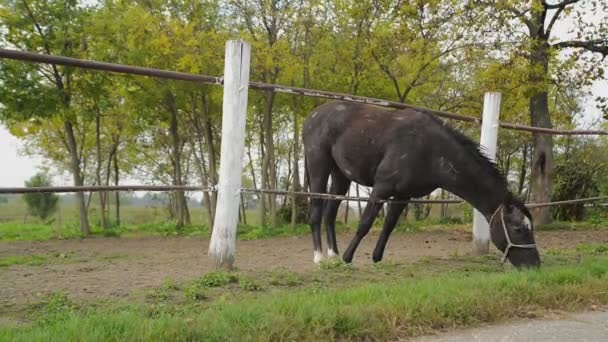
{"points": [[236, 83]]}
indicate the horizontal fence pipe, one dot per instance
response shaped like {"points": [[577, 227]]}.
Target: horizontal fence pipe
{"points": [[556, 203], [135, 70], [103, 66], [158, 188], [348, 198], [94, 188]]}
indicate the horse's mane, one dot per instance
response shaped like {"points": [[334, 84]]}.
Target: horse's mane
{"points": [[477, 152], [474, 149]]}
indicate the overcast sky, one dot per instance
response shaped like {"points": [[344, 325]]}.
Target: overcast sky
{"points": [[17, 167]]}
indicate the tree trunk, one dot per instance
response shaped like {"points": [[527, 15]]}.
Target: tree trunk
{"points": [[76, 173], [524, 169], [102, 195], [211, 153], [263, 180], [270, 169], [251, 168], [444, 206], [542, 156], [180, 198], [358, 202], [116, 193], [346, 208], [204, 176], [295, 184], [243, 209]]}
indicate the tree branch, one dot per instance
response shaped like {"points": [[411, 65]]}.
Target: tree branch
{"points": [[553, 20], [596, 45], [559, 5], [519, 15]]}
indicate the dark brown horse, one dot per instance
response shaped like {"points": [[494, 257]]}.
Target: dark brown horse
{"points": [[402, 155]]}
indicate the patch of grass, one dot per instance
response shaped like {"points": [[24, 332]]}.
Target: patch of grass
{"points": [[284, 277], [36, 232], [250, 284], [53, 308], [196, 292], [32, 260], [378, 311], [335, 264], [592, 249], [164, 293], [593, 224], [218, 279], [250, 232]]}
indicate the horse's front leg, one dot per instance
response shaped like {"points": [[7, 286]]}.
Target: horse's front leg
{"points": [[390, 221], [367, 220]]}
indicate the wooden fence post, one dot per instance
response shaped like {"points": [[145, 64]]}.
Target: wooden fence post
{"points": [[489, 138], [222, 247]]}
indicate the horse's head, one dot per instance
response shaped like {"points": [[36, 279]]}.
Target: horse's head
{"points": [[512, 232]]}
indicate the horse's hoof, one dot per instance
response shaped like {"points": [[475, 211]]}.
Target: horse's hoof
{"points": [[318, 257], [331, 254]]}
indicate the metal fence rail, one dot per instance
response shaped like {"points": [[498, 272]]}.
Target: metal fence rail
{"points": [[174, 75], [166, 188]]}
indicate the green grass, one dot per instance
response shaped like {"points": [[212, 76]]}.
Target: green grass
{"points": [[592, 224], [32, 260], [38, 232], [376, 311]]}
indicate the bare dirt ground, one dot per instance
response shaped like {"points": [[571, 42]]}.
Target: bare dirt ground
{"points": [[114, 267]]}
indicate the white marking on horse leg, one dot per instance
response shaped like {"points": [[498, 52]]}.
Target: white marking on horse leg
{"points": [[331, 253], [318, 257]]}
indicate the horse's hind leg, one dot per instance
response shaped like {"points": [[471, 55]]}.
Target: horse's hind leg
{"points": [[392, 216], [339, 186], [318, 168]]}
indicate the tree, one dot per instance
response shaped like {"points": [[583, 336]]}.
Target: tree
{"points": [[265, 22], [41, 205], [42, 91], [531, 26]]}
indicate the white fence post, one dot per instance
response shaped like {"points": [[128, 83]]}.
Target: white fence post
{"points": [[489, 138], [236, 85]]}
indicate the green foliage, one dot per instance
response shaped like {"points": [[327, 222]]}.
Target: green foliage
{"points": [[572, 181], [42, 205]]}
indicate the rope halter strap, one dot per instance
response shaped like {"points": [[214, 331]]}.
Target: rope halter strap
{"points": [[504, 227]]}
